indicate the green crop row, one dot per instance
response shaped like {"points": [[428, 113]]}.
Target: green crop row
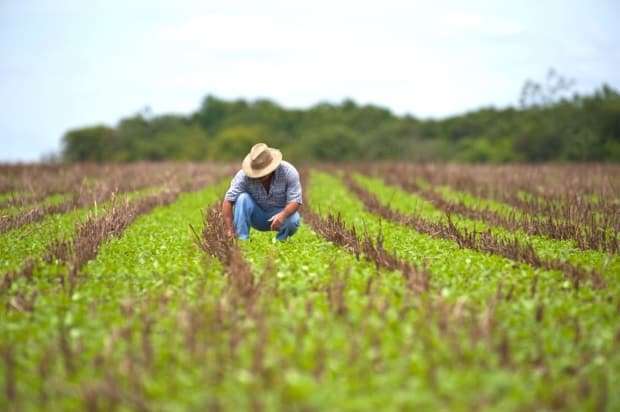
{"points": [[475, 278], [52, 200], [156, 257], [153, 324], [32, 240], [471, 200], [564, 250], [506, 210], [149, 272]]}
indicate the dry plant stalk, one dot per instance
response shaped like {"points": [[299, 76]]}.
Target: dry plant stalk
{"points": [[333, 229], [216, 242], [90, 234]]}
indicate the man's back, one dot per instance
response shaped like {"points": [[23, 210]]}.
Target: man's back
{"points": [[285, 188]]}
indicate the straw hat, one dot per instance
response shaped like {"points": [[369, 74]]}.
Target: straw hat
{"points": [[261, 161]]}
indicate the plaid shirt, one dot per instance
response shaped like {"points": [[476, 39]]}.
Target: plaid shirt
{"points": [[285, 188]]}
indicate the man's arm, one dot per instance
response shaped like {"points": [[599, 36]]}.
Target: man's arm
{"points": [[237, 186], [227, 212]]}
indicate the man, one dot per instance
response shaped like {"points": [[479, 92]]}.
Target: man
{"points": [[266, 194]]}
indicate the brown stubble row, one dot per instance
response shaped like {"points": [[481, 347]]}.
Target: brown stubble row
{"points": [[91, 234], [559, 211], [215, 242], [333, 229], [108, 181], [110, 392], [123, 371], [246, 296], [585, 236], [459, 323], [75, 253], [210, 330], [94, 231], [503, 182], [484, 241], [35, 181]]}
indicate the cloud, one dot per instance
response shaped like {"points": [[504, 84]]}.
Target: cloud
{"points": [[236, 32], [459, 23]]}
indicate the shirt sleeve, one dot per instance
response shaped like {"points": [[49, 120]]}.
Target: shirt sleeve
{"points": [[293, 186], [237, 186]]}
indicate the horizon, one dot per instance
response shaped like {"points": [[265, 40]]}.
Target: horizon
{"points": [[104, 62]]}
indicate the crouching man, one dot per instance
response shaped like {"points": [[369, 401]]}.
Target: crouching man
{"points": [[265, 194]]}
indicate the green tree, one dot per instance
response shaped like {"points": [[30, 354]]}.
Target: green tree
{"points": [[88, 144], [329, 143], [235, 142], [549, 125]]}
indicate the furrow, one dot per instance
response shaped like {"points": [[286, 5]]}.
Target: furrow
{"points": [[306, 324], [547, 248], [334, 230], [159, 242], [135, 291], [91, 231], [96, 230], [586, 237], [105, 189], [449, 263], [510, 247], [565, 215], [33, 240]]}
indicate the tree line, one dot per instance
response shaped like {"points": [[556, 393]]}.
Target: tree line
{"points": [[548, 125]]}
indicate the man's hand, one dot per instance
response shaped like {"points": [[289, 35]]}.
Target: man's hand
{"points": [[279, 218], [277, 221]]}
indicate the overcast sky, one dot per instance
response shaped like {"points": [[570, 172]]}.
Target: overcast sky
{"points": [[71, 63]]}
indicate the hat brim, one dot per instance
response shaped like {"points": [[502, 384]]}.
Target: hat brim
{"points": [[246, 165]]}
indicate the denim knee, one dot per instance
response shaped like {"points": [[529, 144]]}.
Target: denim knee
{"points": [[295, 218], [292, 221]]}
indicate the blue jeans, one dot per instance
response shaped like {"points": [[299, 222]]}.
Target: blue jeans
{"points": [[248, 214]]}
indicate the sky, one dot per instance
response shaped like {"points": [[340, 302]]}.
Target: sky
{"points": [[73, 63]]}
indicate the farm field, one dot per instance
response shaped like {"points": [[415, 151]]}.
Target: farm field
{"points": [[407, 287]]}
